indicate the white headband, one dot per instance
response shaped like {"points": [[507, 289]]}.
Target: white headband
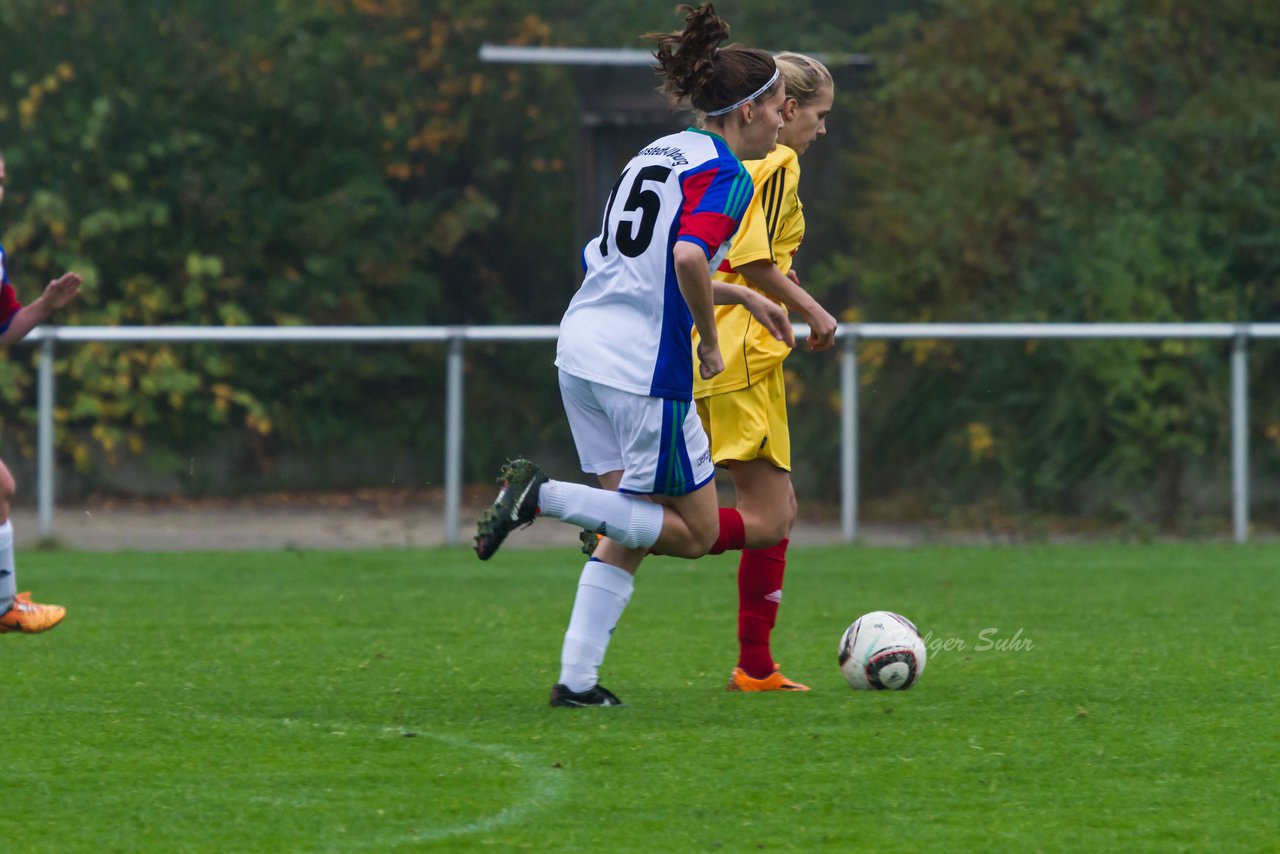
{"points": [[751, 97]]}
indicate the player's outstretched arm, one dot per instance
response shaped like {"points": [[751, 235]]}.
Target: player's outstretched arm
{"points": [[766, 276], [57, 294]]}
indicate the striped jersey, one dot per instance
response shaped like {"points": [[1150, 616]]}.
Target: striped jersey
{"points": [[9, 304], [628, 325], [772, 230]]}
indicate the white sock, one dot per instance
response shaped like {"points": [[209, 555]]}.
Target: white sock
{"points": [[625, 519], [8, 576], [603, 594]]}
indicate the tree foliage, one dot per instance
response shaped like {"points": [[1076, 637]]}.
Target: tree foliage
{"points": [[287, 163], [1056, 161], [354, 162]]}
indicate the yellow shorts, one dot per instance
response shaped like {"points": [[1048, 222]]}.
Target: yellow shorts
{"points": [[749, 423]]}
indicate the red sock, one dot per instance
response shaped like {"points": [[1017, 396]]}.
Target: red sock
{"points": [[760, 574], [733, 532]]}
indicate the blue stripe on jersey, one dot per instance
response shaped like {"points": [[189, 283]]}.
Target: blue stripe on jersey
{"points": [[673, 364], [729, 192], [674, 475]]}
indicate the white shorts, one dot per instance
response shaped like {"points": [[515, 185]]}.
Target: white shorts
{"points": [[658, 444]]}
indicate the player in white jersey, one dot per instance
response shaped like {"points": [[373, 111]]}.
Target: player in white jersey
{"points": [[686, 187], [625, 349]]}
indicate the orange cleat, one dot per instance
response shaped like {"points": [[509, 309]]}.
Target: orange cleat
{"points": [[30, 617], [775, 681]]}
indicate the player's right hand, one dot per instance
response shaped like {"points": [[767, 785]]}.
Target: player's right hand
{"points": [[710, 362], [62, 290]]}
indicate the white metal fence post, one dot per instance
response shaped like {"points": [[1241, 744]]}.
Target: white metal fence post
{"points": [[1240, 435], [453, 438], [44, 439], [849, 437]]}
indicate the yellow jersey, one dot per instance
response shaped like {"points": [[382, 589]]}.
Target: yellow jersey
{"points": [[771, 230]]}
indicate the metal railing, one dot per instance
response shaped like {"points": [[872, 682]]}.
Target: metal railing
{"points": [[456, 337]]}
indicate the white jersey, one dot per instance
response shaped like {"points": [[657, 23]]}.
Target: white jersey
{"points": [[628, 326]]}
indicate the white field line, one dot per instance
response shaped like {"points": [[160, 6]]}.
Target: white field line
{"points": [[543, 785]]}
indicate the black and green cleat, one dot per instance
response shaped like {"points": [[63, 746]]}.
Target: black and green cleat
{"points": [[515, 506]]}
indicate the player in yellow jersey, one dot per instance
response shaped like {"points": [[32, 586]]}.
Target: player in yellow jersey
{"points": [[744, 408]]}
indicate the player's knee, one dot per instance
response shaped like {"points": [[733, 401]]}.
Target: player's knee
{"points": [[778, 528], [695, 543], [783, 517], [790, 520], [776, 525], [704, 540], [708, 532], [690, 547]]}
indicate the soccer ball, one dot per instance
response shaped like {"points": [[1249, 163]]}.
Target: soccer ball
{"points": [[882, 651]]}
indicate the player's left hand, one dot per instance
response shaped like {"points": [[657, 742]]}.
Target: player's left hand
{"points": [[822, 329]]}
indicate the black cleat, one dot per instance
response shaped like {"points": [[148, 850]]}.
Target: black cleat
{"points": [[595, 696], [515, 506]]}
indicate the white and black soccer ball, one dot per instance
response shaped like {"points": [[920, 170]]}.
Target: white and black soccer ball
{"points": [[882, 651]]}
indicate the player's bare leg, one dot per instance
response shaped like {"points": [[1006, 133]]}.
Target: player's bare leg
{"points": [[766, 501]]}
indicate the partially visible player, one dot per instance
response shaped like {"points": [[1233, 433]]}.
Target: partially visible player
{"points": [[625, 353], [744, 408], [17, 612]]}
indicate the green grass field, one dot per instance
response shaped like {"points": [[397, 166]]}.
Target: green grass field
{"points": [[376, 701]]}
